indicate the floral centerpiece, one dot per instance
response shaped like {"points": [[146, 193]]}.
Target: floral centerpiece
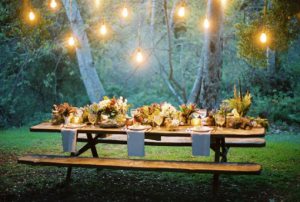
{"points": [[186, 111], [168, 115], [112, 111], [234, 111], [145, 114], [62, 113]]}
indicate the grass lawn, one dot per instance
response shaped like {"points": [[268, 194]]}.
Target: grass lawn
{"points": [[279, 181]]}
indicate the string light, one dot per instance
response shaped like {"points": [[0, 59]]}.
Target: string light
{"points": [[223, 2], [103, 29], [263, 37], [181, 11], [97, 2], [31, 16], [206, 23], [139, 57], [53, 4], [71, 41], [125, 12]]}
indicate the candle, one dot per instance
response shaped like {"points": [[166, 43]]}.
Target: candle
{"points": [[76, 119], [196, 122]]}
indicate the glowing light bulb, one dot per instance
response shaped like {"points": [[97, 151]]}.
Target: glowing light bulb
{"points": [[139, 56], [125, 12], [31, 16], [97, 2], [223, 2], [71, 41], [103, 29], [263, 37], [53, 4], [181, 11], [206, 23]]}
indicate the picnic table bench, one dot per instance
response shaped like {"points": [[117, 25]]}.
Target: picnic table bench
{"points": [[221, 140]]}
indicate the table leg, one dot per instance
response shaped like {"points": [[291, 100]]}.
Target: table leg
{"points": [[217, 159], [224, 150], [92, 143], [69, 171]]}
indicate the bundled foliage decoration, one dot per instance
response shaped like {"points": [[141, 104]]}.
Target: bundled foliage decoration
{"points": [[241, 103]]}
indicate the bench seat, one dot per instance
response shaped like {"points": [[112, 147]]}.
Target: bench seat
{"points": [[150, 165], [177, 141]]}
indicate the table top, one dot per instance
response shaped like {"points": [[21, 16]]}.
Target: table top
{"points": [[181, 131]]}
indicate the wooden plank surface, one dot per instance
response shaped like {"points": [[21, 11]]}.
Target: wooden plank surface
{"points": [[180, 132], [177, 141], [151, 165]]}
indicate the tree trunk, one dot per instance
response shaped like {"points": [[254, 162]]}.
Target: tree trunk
{"points": [[271, 61], [152, 18], [194, 95], [89, 76], [211, 77]]}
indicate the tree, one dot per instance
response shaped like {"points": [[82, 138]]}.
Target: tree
{"points": [[211, 77], [87, 69]]}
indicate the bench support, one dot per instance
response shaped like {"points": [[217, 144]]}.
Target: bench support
{"points": [[91, 144]]}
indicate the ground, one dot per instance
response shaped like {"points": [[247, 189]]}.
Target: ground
{"points": [[279, 180]]}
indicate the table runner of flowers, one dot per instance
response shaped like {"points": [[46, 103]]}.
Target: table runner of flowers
{"points": [[112, 112]]}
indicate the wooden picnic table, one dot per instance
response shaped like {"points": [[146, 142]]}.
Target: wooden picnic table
{"points": [[93, 134], [181, 131]]}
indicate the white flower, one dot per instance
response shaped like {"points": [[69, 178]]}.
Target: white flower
{"points": [[103, 104], [168, 110]]}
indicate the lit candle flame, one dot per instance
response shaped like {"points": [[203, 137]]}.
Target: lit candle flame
{"points": [[181, 11], [263, 37], [53, 4], [206, 23], [103, 29], [125, 12], [31, 16]]}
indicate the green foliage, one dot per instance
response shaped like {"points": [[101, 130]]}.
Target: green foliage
{"points": [[38, 71], [35, 72], [279, 107], [281, 25]]}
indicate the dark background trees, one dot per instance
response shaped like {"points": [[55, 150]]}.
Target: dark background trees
{"points": [[38, 70]]}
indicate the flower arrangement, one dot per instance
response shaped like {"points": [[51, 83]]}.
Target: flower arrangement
{"points": [[61, 112], [64, 109], [187, 111], [241, 103], [113, 107], [234, 111], [146, 114]]}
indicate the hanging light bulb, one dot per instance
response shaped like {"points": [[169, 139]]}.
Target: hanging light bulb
{"points": [[103, 29], [139, 56], [206, 23], [181, 11], [31, 16], [97, 2], [53, 4], [223, 2], [125, 12], [263, 37], [71, 41]]}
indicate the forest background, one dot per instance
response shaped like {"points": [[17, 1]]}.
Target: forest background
{"points": [[37, 69]]}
